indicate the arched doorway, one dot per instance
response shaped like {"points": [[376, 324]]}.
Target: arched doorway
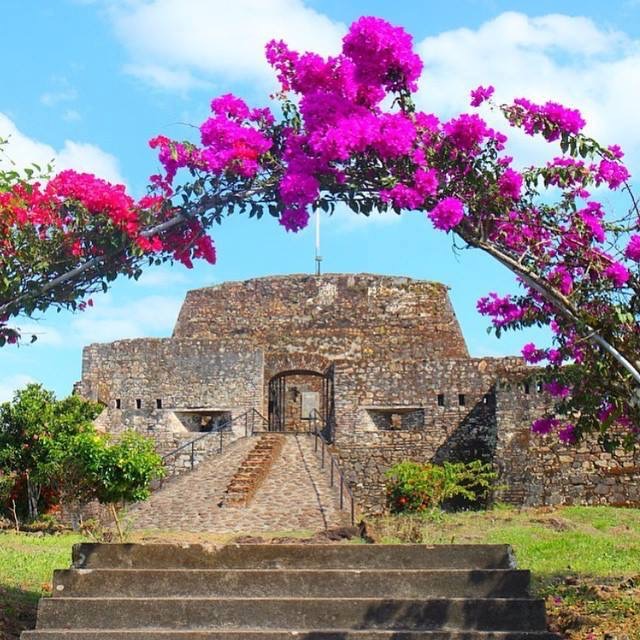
{"points": [[298, 398]]}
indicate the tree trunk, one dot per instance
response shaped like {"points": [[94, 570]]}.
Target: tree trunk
{"points": [[114, 513], [33, 495], [15, 515]]}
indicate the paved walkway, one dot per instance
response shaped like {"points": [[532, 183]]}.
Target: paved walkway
{"points": [[295, 495]]}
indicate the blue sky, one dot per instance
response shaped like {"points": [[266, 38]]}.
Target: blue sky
{"points": [[88, 82]]}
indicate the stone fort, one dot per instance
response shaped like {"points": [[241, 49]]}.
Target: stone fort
{"points": [[378, 362]]}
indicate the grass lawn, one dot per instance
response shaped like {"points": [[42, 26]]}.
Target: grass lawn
{"points": [[26, 565], [585, 560]]}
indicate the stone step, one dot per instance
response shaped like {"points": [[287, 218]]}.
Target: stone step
{"points": [[277, 634], [289, 583], [252, 471], [285, 556], [397, 614]]}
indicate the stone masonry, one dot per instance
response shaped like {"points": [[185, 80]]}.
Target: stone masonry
{"points": [[379, 361]]}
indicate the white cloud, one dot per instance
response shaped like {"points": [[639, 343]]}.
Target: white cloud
{"points": [[159, 76], [46, 335], [142, 317], [10, 384], [177, 44], [348, 221], [554, 57], [22, 151], [71, 115], [52, 98], [162, 277]]}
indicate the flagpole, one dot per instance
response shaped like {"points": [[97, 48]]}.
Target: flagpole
{"points": [[318, 256]]}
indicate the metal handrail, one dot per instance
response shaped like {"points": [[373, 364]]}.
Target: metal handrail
{"points": [[220, 429], [334, 467]]}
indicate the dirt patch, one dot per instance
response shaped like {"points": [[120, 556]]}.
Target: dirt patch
{"points": [[582, 608]]}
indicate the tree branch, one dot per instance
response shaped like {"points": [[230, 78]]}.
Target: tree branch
{"points": [[559, 301]]}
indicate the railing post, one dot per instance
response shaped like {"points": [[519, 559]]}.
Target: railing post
{"points": [[322, 454], [332, 471], [341, 492], [192, 456], [353, 510]]}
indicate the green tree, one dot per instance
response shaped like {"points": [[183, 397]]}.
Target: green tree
{"points": [[113, 473], [36, 432]]}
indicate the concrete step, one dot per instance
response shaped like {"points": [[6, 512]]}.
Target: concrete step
{"points": [[248, 583], [276, 634], [461, 614], [284, 556]]}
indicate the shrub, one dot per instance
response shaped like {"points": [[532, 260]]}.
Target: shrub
{"points": [[414, 487]]}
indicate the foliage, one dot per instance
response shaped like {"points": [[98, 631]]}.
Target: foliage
{"points": [[66, 236], [121, 471], [413, 487], [52, 448], [37, 433]]}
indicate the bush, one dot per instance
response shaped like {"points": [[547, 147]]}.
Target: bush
{"points": [[414, 487]]}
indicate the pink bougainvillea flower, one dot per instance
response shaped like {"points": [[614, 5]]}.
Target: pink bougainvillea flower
{"points": [[448, 213], [480, 95]]}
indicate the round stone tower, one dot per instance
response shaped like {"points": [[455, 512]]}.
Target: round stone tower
{"points": [[334, 315]]}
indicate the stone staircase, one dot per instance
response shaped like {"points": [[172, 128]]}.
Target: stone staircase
{"points": [[253, 470], [278, 592]]}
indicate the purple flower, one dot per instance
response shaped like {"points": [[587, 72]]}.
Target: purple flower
{"points": [[510, 184], [298, 189], [613, 173], [502, 310], [531, 353], [557, 389], [567, 434], [633, 248], [403, 197], [467, 131], [543, 426], [294, 219], [447, 214], [426, 182], [479, 95], [617, 273], [382, 54]]}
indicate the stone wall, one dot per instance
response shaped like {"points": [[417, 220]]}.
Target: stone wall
{"points": [[145, 383], [540, 470], [502, 398], [387, 412], [404, 385], [335, 315]]}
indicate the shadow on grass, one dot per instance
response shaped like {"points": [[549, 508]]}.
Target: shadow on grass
{"points": [[17, 611]]}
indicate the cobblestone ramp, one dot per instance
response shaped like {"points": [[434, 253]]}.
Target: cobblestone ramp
{"points": [[295, 495]]}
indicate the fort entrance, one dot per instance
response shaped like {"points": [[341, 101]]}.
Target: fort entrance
{"points": [[300, 400]]}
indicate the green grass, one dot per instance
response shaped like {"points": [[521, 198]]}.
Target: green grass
{"points": [[27, 560], [585, 561], [596, 541], [26, 567]]}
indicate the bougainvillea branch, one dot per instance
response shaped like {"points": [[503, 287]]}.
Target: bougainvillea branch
{"points": [[348, 133]]}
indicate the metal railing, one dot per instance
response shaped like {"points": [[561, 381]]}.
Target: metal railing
{"points": [[335, 473], [249, 417]]}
